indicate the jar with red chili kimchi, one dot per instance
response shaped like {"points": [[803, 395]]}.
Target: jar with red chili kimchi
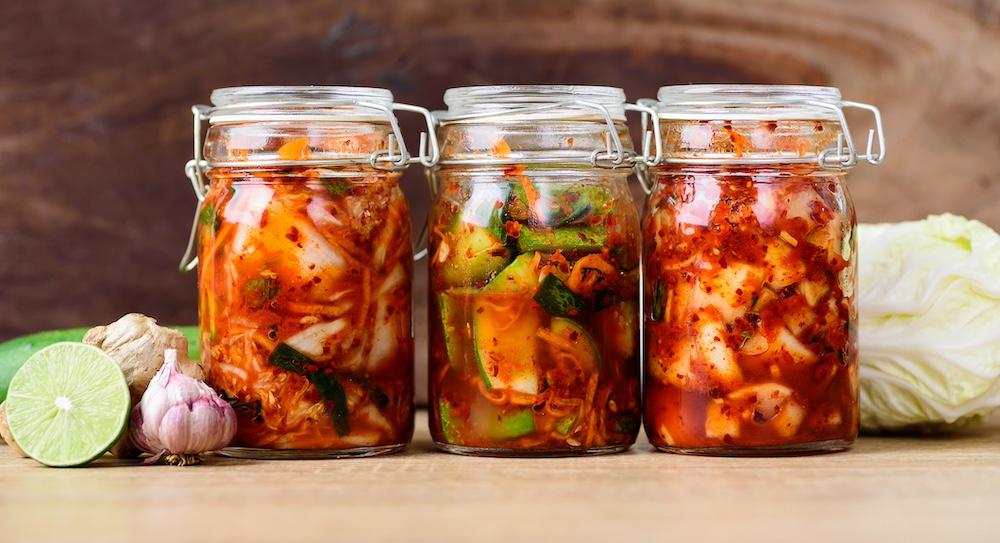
{"points": [[750, 270], [534, 273], [304, 257]]}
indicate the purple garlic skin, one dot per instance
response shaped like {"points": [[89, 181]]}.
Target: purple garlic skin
{"points": [[179, 415]]}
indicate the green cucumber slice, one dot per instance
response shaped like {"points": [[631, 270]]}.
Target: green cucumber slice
{"points": [[583, 343], [556, 298], [492, 422], [449, 427], [565, 424], [518, 276], [453, 309], [478, 254], [566, 238], [504, 336]]}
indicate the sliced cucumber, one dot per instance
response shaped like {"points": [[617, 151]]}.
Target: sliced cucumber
{"points": [[565, 424], [495, 423], [503, 333], [519, 276], [477, 255], [583, 344], [566, 238], [453, 308], [449, 427], [556, 298], [558, 205], [618, 326], [485, 206]]}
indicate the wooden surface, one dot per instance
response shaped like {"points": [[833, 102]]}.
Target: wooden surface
{"points": [[95, 97], [885, 489]]}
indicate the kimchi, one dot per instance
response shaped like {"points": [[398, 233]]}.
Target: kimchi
{"points": [[534, 292], [304, 288], [749, 267]]}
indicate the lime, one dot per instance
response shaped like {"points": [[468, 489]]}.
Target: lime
{"points": [[68, 404]]}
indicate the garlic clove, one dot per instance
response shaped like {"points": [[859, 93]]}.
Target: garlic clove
{"points": [[181, 416]]}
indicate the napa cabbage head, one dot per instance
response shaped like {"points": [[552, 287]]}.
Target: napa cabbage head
{"points": [[929, 301]]}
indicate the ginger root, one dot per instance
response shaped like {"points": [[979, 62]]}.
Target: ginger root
{"points": [[137, 343], [5, 431]]}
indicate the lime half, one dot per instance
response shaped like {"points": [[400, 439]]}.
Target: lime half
{"points": [[68, 404]]}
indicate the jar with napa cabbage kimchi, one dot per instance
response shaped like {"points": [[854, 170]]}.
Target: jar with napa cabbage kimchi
{"points": [[534, 274], [750, 269], [304, 259]]}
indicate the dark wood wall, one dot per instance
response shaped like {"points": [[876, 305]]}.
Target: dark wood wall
{"points": [[95, 129]]}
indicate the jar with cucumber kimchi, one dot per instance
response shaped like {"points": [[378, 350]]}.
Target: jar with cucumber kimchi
{"points": [[534, 274], [304, 259], [750, 270]]}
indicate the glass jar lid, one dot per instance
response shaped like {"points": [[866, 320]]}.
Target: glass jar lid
{"points": [[762, 124], [538, 102], [535, 124], [298, 103], [749, 102]]}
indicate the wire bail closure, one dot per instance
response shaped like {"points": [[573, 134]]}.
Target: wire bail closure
{"points": [[614, 155], [395, 157], [843, 156]]}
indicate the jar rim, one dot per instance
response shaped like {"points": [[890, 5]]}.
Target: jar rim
{"points": [[235, 96], [749, 102], [536, 102]]}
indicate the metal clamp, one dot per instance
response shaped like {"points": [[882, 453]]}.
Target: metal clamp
{"points": [[843, 156], [650, 138], [613, 155], [392, 158]]}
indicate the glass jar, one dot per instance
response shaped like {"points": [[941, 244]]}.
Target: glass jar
{"points": [[534, 274], [305, 265], [749, 271]]}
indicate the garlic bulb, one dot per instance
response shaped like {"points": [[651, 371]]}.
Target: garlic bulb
{"points": [[179, 417]]}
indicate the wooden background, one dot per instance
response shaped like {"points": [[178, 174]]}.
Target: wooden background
{"points": [[95, 129]]}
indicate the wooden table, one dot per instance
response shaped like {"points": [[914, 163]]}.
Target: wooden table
{"points": [[904, 489]]}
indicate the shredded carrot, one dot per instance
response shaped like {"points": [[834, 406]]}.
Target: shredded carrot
{"points": [[296, 149], [501, 148]]}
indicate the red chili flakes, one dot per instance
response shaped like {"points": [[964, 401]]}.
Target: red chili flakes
{"points": [[316, 279], [573, 336], [293, 235], [311, 368]]}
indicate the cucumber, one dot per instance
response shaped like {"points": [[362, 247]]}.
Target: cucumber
{"points": [[558, 205], [618, 326], [477, 255], [565, 424], [518, 276], [14, 353], [583, 343], [566, 238], [453, 308], [556, 298], [493, 422], [449, 427], [484, 208], [506, 350]]}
